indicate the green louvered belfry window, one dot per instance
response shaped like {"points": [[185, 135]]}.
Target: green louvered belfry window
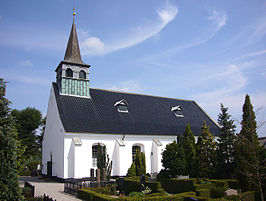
{"points": [[75, 87]]}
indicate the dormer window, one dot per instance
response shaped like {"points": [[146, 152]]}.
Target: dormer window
{"points": [[69, 73], [177, 110], [121, 106]]}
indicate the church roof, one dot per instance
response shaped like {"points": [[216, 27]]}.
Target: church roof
{"points": [[72, 54], [147, 115]]}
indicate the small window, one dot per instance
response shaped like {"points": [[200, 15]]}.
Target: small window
{"points": [[69, 73], [177, 110], [121, 106], [82, 74]]}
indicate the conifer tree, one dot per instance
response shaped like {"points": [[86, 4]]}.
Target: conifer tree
{"points": [[250, 165], [226, 145], [189, 149], [131, 171], [205, 153], [138, 163], [174, 158], [9, 187], [143, 163]]}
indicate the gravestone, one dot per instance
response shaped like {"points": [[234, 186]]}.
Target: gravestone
{"points": [[230, 192], [121, 185], [92, 172], [104, 175], [98, 175]]}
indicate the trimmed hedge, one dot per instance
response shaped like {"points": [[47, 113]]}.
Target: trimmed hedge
{"points": [[232, 183], [220, 183], [203, 186], [203, 193], [248, 196], [90, 195], [132, 184], [174, 186]]}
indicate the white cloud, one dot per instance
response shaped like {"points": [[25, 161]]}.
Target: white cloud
{"points": [[127, 86], [26, 63], [219, 18], [257, 31], [252, 54], [94, 45]]}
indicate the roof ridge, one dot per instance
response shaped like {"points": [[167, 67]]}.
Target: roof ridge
{"points": [[132, 93]]}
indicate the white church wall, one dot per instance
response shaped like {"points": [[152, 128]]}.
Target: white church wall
{"points": [[53, 139], [78, 158]]}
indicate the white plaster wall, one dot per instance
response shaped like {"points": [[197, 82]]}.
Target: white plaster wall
{"points": [[78, 158], [53, 139]]}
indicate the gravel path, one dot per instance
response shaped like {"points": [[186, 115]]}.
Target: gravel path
{"points": [[50, 188]]}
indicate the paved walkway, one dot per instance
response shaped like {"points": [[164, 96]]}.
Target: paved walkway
{"points": [[50, 188]]}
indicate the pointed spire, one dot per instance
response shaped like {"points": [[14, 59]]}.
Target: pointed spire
{"points": [[72, 52]]}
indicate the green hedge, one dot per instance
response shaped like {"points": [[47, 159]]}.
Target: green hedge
{"points": [[220, 183], [232, 183], [90, 195], [132, 184], [174, 186], [248, 196], [203, 186], [203, 193]]}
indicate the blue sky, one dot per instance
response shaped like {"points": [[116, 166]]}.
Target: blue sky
{"points": [[210, 51]]}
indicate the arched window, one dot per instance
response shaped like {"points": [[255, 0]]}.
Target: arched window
{"points": [[69, 73], [82, 74], [95, 148], [136, 147]]}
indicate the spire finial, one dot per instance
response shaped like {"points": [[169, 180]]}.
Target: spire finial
{"points": [[74, 11]]}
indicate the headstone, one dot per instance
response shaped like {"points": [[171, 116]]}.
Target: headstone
{"points": [[92, 172], [231, 192]]}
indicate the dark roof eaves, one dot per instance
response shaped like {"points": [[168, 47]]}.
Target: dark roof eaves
{"points": [[72, 63]]}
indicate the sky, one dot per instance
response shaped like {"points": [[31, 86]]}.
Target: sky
{"points": [[209, 51]]}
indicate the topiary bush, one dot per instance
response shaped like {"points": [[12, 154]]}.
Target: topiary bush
{"points": [[217, 192], [203, 193], [178, 185]]}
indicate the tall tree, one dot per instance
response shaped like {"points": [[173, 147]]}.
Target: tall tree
{"points": [[205, 153], [174, 158], [250, 165], [103, 160], [143, 163], [27, 122], [189, 149], [9, 187], [226, 145], [138, 163]]}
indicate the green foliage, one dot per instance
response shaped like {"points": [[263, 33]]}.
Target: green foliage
{"points": [[174, 186], [174, 158], [110, 190], [9, 187], [204, 162], [138, 163], [249, 160], [143, 163], [103, 160], [203, 193], [189, 149], [164, 174], [146, 191], [226, 145], [90, 195], [132, 184], [135, 194], [27, 122], [217, 192], [131, 171]]}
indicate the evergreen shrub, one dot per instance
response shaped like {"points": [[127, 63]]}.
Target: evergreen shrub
{"points": [[203, 193], [220, 183], [178, 185], [233, 184], [217, 192]]}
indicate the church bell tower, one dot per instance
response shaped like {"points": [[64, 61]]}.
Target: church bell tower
{"points": [[72, 74]]}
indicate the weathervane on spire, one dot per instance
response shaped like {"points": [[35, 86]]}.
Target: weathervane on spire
{"points": [[74, 12]]}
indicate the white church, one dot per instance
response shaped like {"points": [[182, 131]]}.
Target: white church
{"points": [[80, 118]]}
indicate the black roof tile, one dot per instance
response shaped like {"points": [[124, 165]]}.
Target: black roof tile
{"points": [[147, 115]]}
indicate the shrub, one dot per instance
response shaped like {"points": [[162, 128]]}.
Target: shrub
{"points": [[163, 174], [203, 193], [203, 186], [131, 171], [89, 195], [233, 184], [220, 183], [178, 185], [27, 192], [248, 196], [110, 190], [135, 194], [217, 192]]}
